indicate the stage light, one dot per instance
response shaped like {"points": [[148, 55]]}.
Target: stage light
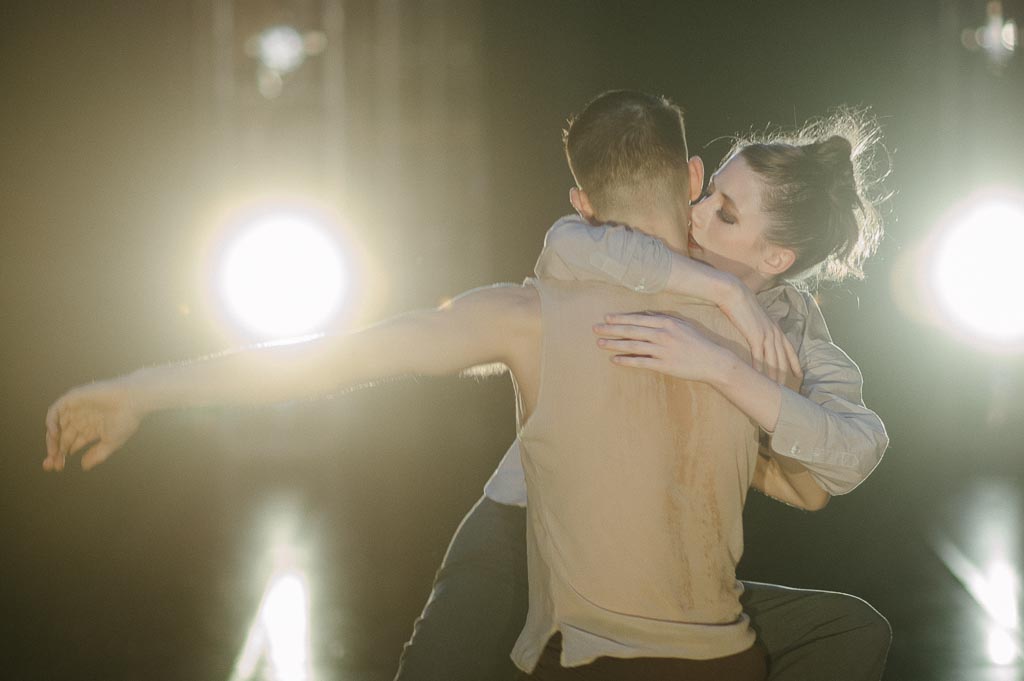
{"points": [[977, 272], [285, 618], [281, 49], [997, 37], [1010, 36], [282, 276]]}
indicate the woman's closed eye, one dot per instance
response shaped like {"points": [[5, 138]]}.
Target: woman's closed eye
{"points": [[725, 217], [722, 213]]}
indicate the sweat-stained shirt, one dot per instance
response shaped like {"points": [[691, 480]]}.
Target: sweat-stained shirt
{"points": [[631, 556]]}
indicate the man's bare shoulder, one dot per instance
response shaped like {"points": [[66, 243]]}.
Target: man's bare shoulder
{"points": [[515, 303], [505, 318]]}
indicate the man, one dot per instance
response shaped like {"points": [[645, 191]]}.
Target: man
{"points": [[478, 602]]}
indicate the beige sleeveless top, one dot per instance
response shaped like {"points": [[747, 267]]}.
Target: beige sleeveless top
{"points": [[636, 484]]}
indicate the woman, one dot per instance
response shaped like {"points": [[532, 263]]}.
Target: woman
{"points": [[778, 211]]}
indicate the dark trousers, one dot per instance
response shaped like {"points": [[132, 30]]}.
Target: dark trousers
{"points": [[479, 601], [749, 665]]}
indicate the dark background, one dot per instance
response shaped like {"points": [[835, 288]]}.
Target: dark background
{"points": [[451, 171]]}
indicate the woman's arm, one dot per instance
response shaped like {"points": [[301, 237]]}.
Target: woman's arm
{"points": [[479, 327], [575, 250], [824, 426], [674, 346], [788, 481]]}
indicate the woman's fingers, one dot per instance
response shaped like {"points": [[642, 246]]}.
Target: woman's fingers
{"points": [[630, 347], [653, 321], [770, 363], [638, 362], [784, 364], [778, 369], [626, 331], [794, 360], [757, 355]]}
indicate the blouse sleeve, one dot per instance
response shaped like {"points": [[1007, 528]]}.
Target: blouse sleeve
{"points": [[575, 250], [826, 426]]}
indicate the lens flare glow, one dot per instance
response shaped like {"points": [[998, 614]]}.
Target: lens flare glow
{"points": [[978, 271], [278, 646], [986, 561], [285, 618], [1010, 36], [282, 276], [1000, 647], [282, 49]]}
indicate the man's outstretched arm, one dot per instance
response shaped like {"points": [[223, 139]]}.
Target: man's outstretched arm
{"points": [[483, 326]]}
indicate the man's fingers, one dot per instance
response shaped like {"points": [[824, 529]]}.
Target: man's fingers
{"points": [[52, 431], [97, 455], [68, 436], [51, 450], [79, 443], [53, 418], [51, 445]]}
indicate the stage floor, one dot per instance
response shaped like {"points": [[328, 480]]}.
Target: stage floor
{"points": [[256, 573]]}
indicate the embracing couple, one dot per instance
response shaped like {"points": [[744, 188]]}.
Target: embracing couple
{"points": [[653, 390]]}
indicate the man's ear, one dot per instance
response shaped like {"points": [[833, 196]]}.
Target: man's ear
{"points": [[581, 202], [776, 260], [695, 166]]}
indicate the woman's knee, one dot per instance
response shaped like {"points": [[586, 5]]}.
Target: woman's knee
{"points": [[862, 617]]}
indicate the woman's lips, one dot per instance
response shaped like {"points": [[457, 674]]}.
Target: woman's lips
{"points": [[693, 245]]}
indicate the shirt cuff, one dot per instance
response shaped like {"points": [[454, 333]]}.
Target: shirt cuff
{"points": [[800, 433]]}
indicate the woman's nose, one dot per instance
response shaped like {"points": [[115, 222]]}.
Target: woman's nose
{"points": [[697, 214]]}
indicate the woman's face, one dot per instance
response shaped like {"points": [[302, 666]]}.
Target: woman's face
{"points": [[728, 224]]}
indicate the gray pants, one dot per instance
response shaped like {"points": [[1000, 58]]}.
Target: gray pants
{"points": [[479, 601]]}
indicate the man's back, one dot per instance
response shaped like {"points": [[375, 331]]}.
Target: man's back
{"points": [[636, 486]]}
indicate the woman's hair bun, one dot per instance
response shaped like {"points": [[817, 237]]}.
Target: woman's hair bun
{"points": [[836, 150], [835, 157]]}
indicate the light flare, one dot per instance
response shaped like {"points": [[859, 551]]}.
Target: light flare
{"points": [[282, 276], [977, 271]]}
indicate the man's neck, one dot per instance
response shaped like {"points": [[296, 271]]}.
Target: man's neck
{"points": [[668, 225]]}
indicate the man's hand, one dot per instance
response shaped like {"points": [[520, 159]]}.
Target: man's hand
{"points": [[94, 419], [771, 352]]}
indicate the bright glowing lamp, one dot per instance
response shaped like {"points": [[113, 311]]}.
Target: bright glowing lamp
{"points": [[283, 276], [281, 49], [979, 271]]}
